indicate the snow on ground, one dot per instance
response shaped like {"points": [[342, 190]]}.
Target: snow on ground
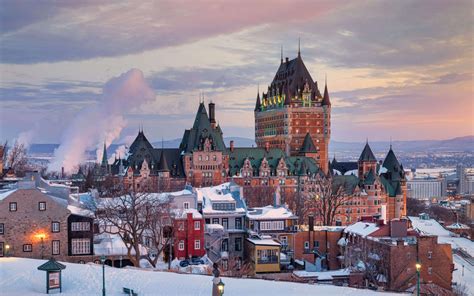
{"points": [[20, 276], [468, 278]]}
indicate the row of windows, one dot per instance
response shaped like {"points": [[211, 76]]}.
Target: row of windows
{"points": [[267, 256], [225, 222], [223, 206], [272, 225], [13, 206], [197, 245], [55, 247], [80, 226], [237, 245]]}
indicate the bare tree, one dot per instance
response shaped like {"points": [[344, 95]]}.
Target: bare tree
{"points": [[17, 158], [133, 216], [325, 199]]}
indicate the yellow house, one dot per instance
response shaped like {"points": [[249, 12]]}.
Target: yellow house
{"points": [[264, 254]]}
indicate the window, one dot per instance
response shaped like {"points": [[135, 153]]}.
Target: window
{"points": [[225, 245], [197, 225], [12, 207], [181, 226], [186, 205], [238, 223], [55, 247], [272, 225], [55, 226], [316, 244], [2, 228], [27, 248], [215, 220], [181, 245], [42, 206], [430, 254], [267, 256], [238, 244], [80, 246], [306, 245], [430, 270], [225, 223], [197, 244], [284, 240], [80, 226]]}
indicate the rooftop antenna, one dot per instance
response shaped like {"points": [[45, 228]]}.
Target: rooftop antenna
{"points": [[162, 144], [390, 142]]}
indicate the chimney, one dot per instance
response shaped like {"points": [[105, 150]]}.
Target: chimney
{"points": [[212, 114], [267, 146], [62, 172], [231, 145], [380, 222], [311, 222], [286, 59]]}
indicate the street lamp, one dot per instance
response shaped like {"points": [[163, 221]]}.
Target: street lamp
{"points": [[220, 287], [102, 260], [418, 268], [7, 247]]}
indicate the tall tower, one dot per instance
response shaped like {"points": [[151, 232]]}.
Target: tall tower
{"points": [[291, 108]]}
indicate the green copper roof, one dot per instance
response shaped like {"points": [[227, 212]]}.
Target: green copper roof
{"points": [[308, 145], [193, 139], [369, 178], [255, 155], [367, 154], [52, 265], [348, 182]]}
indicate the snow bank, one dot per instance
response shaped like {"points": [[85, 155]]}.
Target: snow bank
{"points": [[20, 277]]}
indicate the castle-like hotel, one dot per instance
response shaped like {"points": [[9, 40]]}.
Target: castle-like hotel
{"points": [[292, 132]]}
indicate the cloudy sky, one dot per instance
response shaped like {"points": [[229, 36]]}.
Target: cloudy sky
{"points": [[400, 69]]}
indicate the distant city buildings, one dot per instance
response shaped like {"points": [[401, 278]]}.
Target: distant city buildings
{"points": [[426, 188]]}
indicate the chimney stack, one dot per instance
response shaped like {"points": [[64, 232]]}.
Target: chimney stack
{"points": [[212, 114], [311, 222], [287, 59], [231, 145]]}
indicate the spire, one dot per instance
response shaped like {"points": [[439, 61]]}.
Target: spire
{"points": [[163, 165], [258, 104], [299, 47], [104, 156], [367, 154], [281, 54], [308, 145], [326, 101]]}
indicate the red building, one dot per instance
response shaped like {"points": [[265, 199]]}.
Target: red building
{"points": [[189, 234]]}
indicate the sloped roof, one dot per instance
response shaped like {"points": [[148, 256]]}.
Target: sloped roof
{"points": [[367, 154], [369, 178], [348, 182], [202, 129], [344, 166], [255, 156], [52, 265], [326, 101], [294, 74], [308, 145]]}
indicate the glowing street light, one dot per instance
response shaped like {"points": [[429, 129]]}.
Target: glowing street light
{"points": [[418, 269], [220, 287]]}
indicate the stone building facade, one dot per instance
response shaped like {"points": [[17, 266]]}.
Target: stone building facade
{"points": [[34, 224]]}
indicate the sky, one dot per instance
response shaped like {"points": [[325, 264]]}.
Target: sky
{"points": [[395, 69]]}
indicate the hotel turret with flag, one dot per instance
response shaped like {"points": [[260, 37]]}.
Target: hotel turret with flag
{"points": [[292, 110]]}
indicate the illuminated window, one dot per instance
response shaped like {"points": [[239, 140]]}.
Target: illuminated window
{"points": [[181, 245]]}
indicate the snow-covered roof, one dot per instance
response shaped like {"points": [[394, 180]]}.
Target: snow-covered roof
{"points": [[270, 213], [5, 194], [457, 226], [322, 275], [432, 227], [182, 214], [342, 242], [263, 242], [362, 228], [80, 211], [223, 193]]}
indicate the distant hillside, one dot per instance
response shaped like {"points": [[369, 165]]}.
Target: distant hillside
{"points": [[461, 144]]}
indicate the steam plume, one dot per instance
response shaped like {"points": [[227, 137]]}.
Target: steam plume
{"points": [[104, 121]]}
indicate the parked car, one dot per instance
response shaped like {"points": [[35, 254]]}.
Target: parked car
{"points": [[192, 261]]}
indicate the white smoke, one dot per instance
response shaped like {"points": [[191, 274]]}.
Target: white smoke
{"points": [[103, 122]]}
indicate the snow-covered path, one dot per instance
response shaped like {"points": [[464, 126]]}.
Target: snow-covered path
{"points": [[20, 277]]}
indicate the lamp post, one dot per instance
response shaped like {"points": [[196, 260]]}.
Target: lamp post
{"points": [[217, 284], [102, 260], [41, 236], [7, 247], [418, 268]]}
